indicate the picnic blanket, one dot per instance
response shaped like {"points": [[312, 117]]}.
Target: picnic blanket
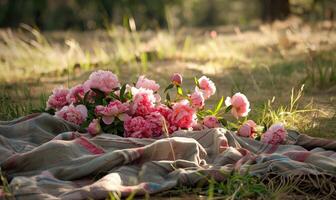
{"points": [[47, 158]]}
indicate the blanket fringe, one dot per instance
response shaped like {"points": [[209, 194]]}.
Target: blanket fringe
{"points": [[321, 186]]}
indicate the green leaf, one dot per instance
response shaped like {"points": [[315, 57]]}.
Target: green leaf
{"points": [[196, 82], [170, 86], [179, 90], [122, 89], [232, 126], [258, 137], [223, 121], [168, 97], [228, 109], [104, 102], [84, 125], [99, 93], [99, 96], [219, 105], [122, 93], [113, 96], [208, 112], [85, 100], [265, 127], [128, 95]]}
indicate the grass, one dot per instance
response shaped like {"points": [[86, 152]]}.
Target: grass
{"points": [[20, 103], [238, 187], [4, 187], [267, 63], [245, 186], [321, 70], [290, 114], [235, 187]]}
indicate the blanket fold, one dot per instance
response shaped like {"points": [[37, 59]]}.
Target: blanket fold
{"points": [[46, 158]]}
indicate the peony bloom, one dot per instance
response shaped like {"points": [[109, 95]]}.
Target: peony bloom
{"points": [[74, 114], [206, 86], [112, 110], [197, 99], [94, 127], [104, 81], [183, 116], [58, 99], [276, 134], [176, 79], [137, 127], [211, 122], [248, 129], [157, 98], [145, 83], [76, 94], [240, 105], [163, 110], [143, 101], [156, 123]]}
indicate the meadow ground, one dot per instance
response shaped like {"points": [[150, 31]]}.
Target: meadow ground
{"points": [[268, 63], [264, 62]]}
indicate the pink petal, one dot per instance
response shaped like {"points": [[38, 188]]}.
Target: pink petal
{"points": [[123, 116], [228, 101], [83, 110], [108, 119]]}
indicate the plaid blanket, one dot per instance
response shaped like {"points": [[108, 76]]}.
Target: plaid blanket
{"points": [[46, 158]]}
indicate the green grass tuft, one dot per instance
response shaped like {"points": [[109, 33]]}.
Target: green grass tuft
{"points": [[291, 114]]}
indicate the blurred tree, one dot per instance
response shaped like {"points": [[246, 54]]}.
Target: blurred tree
{"points": [[89, 14], [210, 16], [275, 9]]}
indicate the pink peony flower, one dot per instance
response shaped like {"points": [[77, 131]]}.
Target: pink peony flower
{"points": [[74, 114], [76, 94], [183, 116], [206, 86], [112, 110], [94, 127], [58, 99], [157, 98], [176, 79], [143, 101], [163, 110], [211, 122], [156, 122], [240, 105], [137, 127], [197, 99], [276, 134], [147, 84], [248, 129], [167, 114], [105, 81]]}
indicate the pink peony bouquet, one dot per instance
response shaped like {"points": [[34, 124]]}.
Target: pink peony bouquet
{"points": [[103, 104]]}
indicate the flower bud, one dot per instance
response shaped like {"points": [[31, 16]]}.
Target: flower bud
{"points": [[94, 127], [176, 79]]}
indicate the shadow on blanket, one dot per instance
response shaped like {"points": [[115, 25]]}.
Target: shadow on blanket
{"points": [[44, 157]]}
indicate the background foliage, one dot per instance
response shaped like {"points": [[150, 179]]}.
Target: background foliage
{"points": [[87, 14]]}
